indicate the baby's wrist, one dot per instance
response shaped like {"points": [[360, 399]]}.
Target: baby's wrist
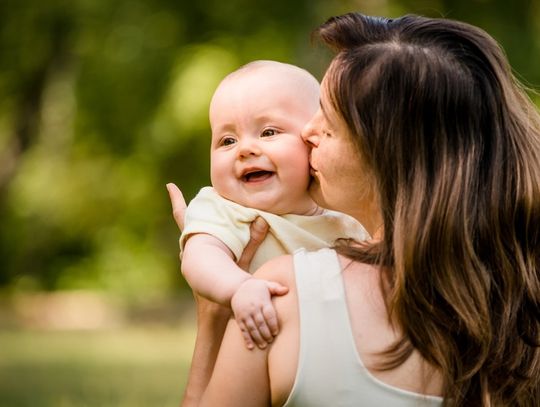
{"points": [[238, 286]]}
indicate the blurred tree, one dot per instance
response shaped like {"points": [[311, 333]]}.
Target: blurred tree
{"points": [[104, 102]]}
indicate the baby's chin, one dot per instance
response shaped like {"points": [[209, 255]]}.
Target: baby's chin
{"points": [[302, 206], [316, 194]]}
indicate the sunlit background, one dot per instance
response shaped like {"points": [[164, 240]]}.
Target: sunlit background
{"points": [[102, 103]]}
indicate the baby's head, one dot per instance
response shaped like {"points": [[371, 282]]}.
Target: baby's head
{"points": [[258, 158]]}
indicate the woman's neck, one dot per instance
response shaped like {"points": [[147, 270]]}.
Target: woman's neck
{"points": [[371, 219]]}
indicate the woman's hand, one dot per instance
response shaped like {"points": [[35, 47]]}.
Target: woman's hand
{"points": [[178, 204], [258, 228], [257, 232]]}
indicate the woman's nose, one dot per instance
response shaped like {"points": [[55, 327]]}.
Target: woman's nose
{"points": [[310, 134]]}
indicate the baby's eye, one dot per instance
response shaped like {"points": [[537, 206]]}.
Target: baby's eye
{"points": [[227, 141], [269, 132]]}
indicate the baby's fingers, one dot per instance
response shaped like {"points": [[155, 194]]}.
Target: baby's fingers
{"points": [[276, 288], [254, 330], [270, 317], [264, 328], [245, 334]]}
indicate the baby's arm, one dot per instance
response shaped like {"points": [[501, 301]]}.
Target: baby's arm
{"points": [[208, 266]]}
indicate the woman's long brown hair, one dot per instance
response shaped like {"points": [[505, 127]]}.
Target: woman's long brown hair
{"points": [[454, 147]]}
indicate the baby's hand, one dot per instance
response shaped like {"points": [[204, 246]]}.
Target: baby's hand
{"points": [[254, 312]]}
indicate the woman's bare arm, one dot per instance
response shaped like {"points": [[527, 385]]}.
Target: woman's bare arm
{"points": [[259, 377]]}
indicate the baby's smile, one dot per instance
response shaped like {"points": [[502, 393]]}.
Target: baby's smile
{"points": [[256, 175]]}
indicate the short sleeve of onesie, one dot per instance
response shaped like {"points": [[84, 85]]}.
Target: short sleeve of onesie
{"points": [[212, 214]]}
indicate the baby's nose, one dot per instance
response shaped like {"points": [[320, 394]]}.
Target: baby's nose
{"points": [[248, 148]]}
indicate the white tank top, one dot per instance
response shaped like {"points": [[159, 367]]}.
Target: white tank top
{"points": [[330, 372]]}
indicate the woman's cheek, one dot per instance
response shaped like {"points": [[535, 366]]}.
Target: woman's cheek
{"points": [[315, 154]]}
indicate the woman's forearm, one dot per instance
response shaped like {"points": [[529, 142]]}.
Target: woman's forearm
{"points": [[240, 376], [211, 322]]}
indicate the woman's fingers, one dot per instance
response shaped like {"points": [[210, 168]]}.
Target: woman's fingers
{"points": [[258, 231], [178, 204]]}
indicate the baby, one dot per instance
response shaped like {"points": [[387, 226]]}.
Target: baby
{"points": [[259, 167]]}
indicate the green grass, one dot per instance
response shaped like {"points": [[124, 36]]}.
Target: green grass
{"points": [[123, 367]]}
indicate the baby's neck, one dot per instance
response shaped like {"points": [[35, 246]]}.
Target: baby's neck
{"points": [[312, 210], [316, 210]]}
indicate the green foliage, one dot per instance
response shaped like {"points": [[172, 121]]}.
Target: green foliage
{"points": [[131, 367], [105, 102]]}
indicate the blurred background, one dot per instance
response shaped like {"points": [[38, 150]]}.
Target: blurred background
{"points": [[101, 104]]}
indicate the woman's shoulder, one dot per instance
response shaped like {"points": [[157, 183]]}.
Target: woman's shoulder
{"points": [[282, 268], [347, 263], [279, 269]]}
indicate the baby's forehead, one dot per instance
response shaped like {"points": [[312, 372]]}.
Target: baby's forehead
{"points": [[260, 75], [267, 67], [265, 89], [273, 71]]}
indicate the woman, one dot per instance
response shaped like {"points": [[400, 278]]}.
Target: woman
{"points": [[425, 138]]}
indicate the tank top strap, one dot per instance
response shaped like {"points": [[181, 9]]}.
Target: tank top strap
{"points": [[325, 345], [318, 275], [330, 371]]}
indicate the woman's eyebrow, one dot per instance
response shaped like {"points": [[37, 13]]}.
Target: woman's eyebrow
{"points": [[322, 109], [327, 118]]}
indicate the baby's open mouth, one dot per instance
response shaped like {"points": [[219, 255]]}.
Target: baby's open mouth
{"points": [[255, 176]]}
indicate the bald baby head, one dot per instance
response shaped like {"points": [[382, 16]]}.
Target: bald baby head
{"points": [[298, 83], [257, 115]]}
